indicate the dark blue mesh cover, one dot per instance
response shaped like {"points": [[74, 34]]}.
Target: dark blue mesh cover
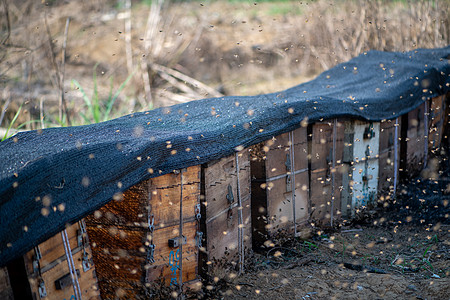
{"points": [[83, 167]]}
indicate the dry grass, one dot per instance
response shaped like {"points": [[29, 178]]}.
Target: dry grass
{"points": [[235, 48]]}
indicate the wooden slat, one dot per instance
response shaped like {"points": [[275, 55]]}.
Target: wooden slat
{"points": [[415, 142], [279, 204], [6, 291], [221, 222], [437, 118], [87, 280], [162, 266], [121, 245], [322, 171]]}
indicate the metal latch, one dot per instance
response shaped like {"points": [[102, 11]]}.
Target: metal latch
{"points": [[198, 238], [175, 242], [42, 290], [287, 163], [85, 261], [65, 281], [288, 183], [151, 223], [230, 196], [151, 253], [369, 132], [197, 212], [37, 258]]}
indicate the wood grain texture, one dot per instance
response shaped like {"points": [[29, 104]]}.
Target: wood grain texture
{"points": [[322, 170], [53, 254], [6, 291], [415, 141], [121, 235], [222, 216], [437, 119]]}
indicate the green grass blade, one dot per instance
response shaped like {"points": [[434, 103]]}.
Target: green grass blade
{"points": [[12, 123], [114, 98]]}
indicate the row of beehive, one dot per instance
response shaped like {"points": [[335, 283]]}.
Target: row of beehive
{"points": [[170, 229]]}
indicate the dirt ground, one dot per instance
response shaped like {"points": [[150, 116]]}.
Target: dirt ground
{"points": [[390, 261], [401, 251]]}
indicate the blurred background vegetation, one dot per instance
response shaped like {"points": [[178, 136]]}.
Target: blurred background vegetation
{"points": [[68, 63]]}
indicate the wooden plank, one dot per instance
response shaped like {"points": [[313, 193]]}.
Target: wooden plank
{"points": [[360, 175], [6, 291], [415, 142], [322, 170], [87, 280], [278, 153], [280, 216], [54, 265], [166, 257], [221, 175], [221, 207], [437, 119], [122, 245], [386, 175]]}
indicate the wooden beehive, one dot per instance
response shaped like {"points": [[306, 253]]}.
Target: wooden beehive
{"points": [[361, 152], [46, 271], [277, 169], [389, 155], [413, 145], [136, 238], [227, 210], [326, 151], [436, 119]]}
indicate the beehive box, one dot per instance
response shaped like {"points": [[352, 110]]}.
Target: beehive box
{"points": [[389, 155], [436, 119], [326, 153], [136, 238], [44, 273], [413, 144], [227, 210], [278, 167], [361, 152]]}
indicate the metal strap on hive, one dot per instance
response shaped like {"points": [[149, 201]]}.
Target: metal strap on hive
{"points": [[240, 219], [70, 262], [181, 234], [82, 243], [425, 134], [333, 171], [292, 176], [395, 155]]}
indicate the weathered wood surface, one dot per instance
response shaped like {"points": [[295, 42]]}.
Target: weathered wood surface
{"points": [[272, 179], [322, 199], [387, 175], [54, 266], [6, 291], [415, 142], [361, 153], [222, 208], [437, 120], [121, 234]]}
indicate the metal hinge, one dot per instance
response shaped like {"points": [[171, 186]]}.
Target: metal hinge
{"points": [[230, 196], [85, 261], [42, 290], [288, 183], [287, 163], [198, 239], [151, 223], [37, 258], [197, 212], [151, 253]]}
